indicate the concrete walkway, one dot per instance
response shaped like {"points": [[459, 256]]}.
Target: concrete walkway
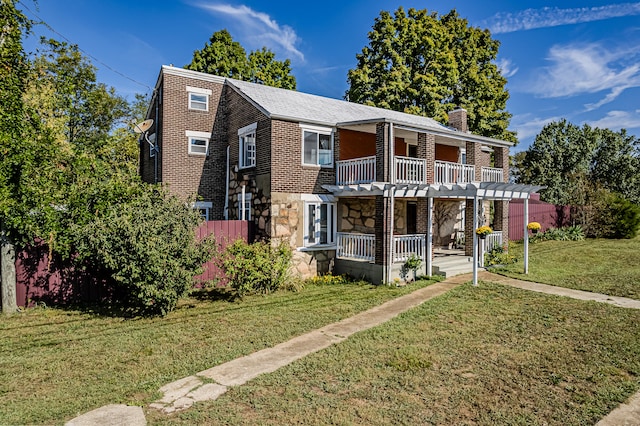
{"points": [[209, 384]]}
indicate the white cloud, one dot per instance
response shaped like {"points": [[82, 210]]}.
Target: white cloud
{"points": [[587, 68], [552, 17], [526, 126], [259, 28], [506, 67], [616, 120]]}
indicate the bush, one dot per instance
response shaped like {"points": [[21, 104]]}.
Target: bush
{"points": [[256, 268], [567, 233], [329, 279], [615, 217], [148, 248], [499, 255]]}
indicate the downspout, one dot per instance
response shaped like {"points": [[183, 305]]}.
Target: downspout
{"points": [[226, 190], [392, 178], [157, 142]]}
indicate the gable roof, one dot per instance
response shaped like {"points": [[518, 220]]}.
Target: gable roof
{"points": [[291, 105]]}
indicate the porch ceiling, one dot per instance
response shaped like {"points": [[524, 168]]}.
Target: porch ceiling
{"points": [[481, 190]]}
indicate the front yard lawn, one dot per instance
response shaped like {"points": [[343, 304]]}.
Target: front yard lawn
{"points": [[601, 266], [492, 355]]}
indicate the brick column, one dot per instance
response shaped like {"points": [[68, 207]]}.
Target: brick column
{"points": [[468, 228], [501, 161], [474, 156], [501, 219], [383, 229], [383, 166], [427, 152]]}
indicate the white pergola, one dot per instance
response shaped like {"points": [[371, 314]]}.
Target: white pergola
{"points": [[476, 191]]}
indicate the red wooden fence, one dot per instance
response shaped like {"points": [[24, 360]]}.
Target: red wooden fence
{"points": [[226, 232], [51, 280], [548, 215]]}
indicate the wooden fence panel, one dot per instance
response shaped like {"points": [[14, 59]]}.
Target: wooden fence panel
{"points": [[41, 279], [548, 215]]}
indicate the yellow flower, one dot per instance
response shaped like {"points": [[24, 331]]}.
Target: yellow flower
{"points": [[484, 230], [533, 226]]}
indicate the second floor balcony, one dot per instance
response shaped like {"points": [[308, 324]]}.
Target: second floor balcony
{"points": [[413, 171]]}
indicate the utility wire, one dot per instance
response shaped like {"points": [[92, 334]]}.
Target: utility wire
{"points": [[42, 21]]}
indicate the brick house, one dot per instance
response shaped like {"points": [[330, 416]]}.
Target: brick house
{"points": [[352, 188]]}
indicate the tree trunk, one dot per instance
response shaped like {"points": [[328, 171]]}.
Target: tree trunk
{"points": [[8, 267]]}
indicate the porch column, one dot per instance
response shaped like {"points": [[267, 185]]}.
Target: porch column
{"points": [[384, 158], [469, 226], [526, 236], [427, 152], [383, 217], [501, 219], [429, 251], [474, 154], [475, 241]]}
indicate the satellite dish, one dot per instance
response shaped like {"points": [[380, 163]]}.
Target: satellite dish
{"points": [[144, 126]]}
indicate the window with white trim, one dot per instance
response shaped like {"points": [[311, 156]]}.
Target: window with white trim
{"points": [[198, 142], [204, 207], [152, 145], [320, 223], [198, 98], [244, 206], [247, 146], [317, 146]]}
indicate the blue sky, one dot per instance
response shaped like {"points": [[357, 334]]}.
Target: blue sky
{"points": [[569, 59]]}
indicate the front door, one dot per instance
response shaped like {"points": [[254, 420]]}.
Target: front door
{"points": [[412, 218]]}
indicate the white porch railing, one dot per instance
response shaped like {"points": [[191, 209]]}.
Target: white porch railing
{"points": [[358, 170], [411, 170], [492, 174], [356, 246], [406, 245], [447, 172], [493, 240]]}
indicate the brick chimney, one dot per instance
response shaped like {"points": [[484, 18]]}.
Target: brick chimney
{"points": [[458, 119]]}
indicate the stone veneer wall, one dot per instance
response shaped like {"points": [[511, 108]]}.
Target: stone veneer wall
{"points": [[359, 215], [287, 224]]}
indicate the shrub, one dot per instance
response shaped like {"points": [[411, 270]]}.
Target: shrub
{"points": [[329, 279], [148, 248], [568, 233], [616, 218], [257, 267], [499, 255]]}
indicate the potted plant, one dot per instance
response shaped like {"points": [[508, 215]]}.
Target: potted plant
{"points": [[412, 264], [483, 231], [534, 227]]}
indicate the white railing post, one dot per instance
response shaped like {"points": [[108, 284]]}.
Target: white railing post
{"points": [[492, 174], [448, 173], [406, 245], [410, 170], [356, 246]]}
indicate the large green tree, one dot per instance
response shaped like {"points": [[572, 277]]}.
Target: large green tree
{"points": [[572, 161], [227, 58], [421, 63]]}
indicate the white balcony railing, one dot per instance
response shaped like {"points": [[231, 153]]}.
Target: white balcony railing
{"points": [[356, 171], [492, 174], [411, 170], [356, 246], [406, 245], [447, 172], [493, 240]]}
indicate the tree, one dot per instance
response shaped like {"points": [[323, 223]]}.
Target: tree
{"points": [[227, 58], [559, 159], [13, 139], [427, 65]]}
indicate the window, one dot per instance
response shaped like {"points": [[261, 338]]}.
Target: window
{"points": [[317, 147], [198, 142], [320, 223], [247, 147], [244, 208], [198, 98], [204, 207], [152, 145]]}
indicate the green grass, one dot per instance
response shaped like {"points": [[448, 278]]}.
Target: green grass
{"points": [[474, 356], [602, 266], [55, 364]]}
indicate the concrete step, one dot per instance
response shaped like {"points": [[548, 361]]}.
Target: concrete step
{"points": [[452, 265]]}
